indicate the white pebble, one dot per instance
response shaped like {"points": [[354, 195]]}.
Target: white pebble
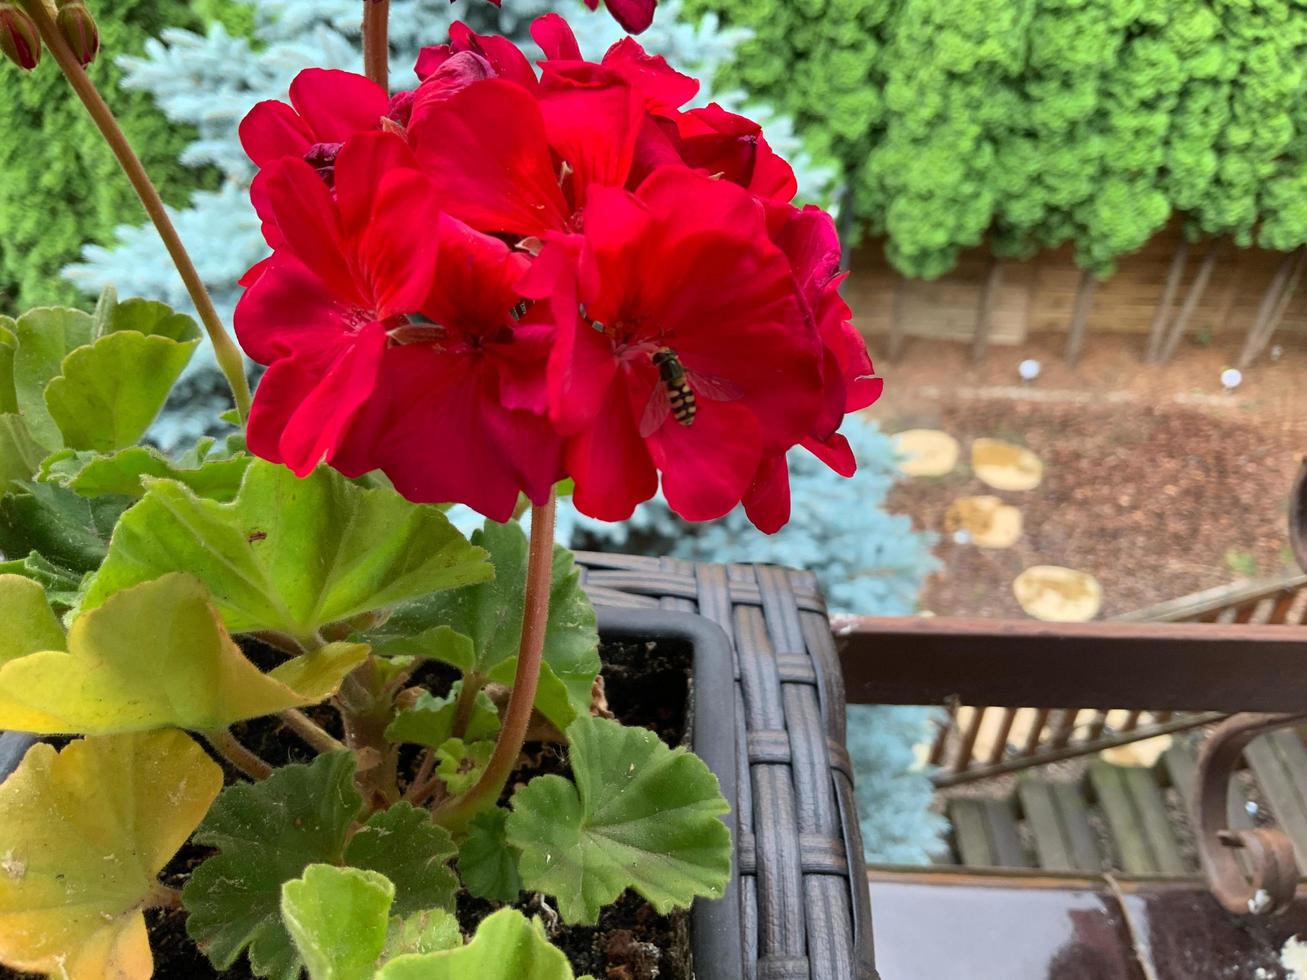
{"points": [[1029, 369], [1231, 378]]}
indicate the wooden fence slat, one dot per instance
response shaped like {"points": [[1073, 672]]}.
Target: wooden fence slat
{"points": [[1080, 836], [1154, 820], [1126, 830], [969, 836], [1045, 825]]}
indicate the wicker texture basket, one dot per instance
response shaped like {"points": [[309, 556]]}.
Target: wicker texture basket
{"points": [[805, 902]]}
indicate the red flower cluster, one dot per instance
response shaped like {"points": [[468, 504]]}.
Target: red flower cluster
{"points": [[505, 277]]}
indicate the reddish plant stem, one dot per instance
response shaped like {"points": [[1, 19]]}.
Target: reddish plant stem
{"points": [[376, 41], [313, 734], [420, 788], [224, 350], [226, 745], [455, 814]]}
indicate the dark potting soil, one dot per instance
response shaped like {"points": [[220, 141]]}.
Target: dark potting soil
{"points": [[645, 683]]}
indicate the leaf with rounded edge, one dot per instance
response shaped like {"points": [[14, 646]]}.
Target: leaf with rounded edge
{"points": [[96, 474], [430, 721], [640, 815], [8, 347], [339, 919], [20, 456], [58, 524], [460, 763], [490, 616], [45, 337], [108, 394], [83, 835], [28, 624], [428, 931], [267, 833], [287, 554], [403, 844], [507, 946], [487, 863], [157, 656], [145, 316]]}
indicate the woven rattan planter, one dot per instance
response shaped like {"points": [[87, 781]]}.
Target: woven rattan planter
{"points": [[805, 911]]}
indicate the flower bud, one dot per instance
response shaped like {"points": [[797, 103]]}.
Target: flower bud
{"points": [[19, 39], [78, 28]]}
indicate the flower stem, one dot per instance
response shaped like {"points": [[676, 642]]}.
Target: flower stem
{"points": [[226, 745], [455, 813], [303, 726], [376, 41], [224, 350]]}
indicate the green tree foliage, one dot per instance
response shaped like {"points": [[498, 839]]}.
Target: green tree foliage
{"points": [[59, 184]]}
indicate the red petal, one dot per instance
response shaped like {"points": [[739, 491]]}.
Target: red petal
{"points": [[555, 38], [497, 177], [610, 463], [398, 251], [633, 15], [273, 129], [592, 119], [708, 466], [430, 58], [506, 57], [663, 87], [457, 73], [581, 371], [263, 208], [306, 216], [835, 452], [288, 312], [476, 275], [767, 503], [337, 104], [360, 166]]}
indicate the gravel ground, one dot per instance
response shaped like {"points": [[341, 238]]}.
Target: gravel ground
{"points": [[1156, 481]]}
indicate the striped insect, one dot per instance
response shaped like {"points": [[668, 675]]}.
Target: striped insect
{"points": [[676, 393]]}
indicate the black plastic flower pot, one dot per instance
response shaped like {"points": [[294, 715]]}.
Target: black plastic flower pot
{"points": [[716, 935]]}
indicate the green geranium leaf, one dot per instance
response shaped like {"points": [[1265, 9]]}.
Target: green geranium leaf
{"points": [[20, 455], [148, 317], [487, 863], [28, 624], [66, 529], [122, 473], [8, 347], [83, 835], [428, 931], [267, 833], [157, 656], [339, 919], [490, 616], [45, 337], [507, 946], [460, 763], [102, 315], [62, 586], [288, 554], [430, 721], [640, 815], [404, 845]]}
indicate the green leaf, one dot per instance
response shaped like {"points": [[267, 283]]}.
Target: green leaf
{"points": [[287, 554], [640, 815], [460, 763], [8, 347], [102, 315], [28, 624], [428, 931], [339, 920], [430, 721], [109, 392], [490, 616], [20, 456], [507, 946], [66, 529], [148, 317], [157, 656], [62, 586], [403, 844], [487, 863], [267, 833], [45, 337], [123, 473], [83, 836]]}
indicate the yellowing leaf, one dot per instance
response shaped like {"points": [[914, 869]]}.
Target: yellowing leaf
{"points": [[1058, 595], [158, 656], [1005, 466], [987, 521], [28, 623], [83, 836], [925, 452]]}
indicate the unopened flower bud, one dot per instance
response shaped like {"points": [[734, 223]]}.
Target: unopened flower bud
{"points": [[19, 39], [78, 28]]}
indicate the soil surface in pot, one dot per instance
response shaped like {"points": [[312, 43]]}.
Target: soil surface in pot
{"points": [[646, 684]]}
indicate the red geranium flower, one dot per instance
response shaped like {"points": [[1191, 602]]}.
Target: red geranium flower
{"points": [[682, 268]]}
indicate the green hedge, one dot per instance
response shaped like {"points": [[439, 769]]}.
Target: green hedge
{"points": [[59, 184]]}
